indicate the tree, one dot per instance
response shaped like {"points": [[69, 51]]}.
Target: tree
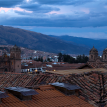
{"points": [[48, 60], [39, 59], [60, 57], [70, 59]]}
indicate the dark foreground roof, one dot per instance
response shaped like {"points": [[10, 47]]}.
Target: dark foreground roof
{"points": [[65, 85], [23, 91], [3, 95], [47, 98]]}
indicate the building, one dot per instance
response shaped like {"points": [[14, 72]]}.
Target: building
{"points": [[0, 52], [95, 58], [11, 63], [30, 66]]}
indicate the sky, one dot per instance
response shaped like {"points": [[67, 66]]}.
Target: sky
{"points": [[80, 18]]}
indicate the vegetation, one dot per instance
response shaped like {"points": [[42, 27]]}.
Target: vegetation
{"points": [[48, 60], [37, 41], [70, 59], [39, 59]]}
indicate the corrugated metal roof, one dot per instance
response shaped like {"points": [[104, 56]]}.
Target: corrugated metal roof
{"points": [[23, 91], [3, 95], [65, 85]]}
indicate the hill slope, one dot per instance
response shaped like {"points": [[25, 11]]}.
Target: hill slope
{"points": [[100, 44], [37, 41]]}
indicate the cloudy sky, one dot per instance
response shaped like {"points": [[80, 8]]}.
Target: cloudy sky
{"points": [[81, 18]]}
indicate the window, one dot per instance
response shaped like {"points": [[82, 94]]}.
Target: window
{"points": [[12, 62], [91, 56], [6, 69], [105, 56], [5, 63]]}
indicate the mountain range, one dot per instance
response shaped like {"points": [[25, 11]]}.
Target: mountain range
{"points": [[99, 44], [38, 41]]}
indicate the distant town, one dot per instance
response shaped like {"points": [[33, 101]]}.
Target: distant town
{"points": [[53, 53], [37, 72], [32, 60], [78, 76]]}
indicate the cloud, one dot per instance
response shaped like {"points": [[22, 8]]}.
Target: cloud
{"points": [[43, 15], [23, 12], [85, 32], [55, 13], [93, 35], [38, 8], [59, 21], [10, 3], [36, 14], [63, 2]]}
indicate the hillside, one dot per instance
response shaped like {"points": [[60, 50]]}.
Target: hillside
{"points": [[37, 41], [100, 44]]}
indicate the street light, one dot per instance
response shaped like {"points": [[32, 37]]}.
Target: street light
{"points": [[36, 70]]}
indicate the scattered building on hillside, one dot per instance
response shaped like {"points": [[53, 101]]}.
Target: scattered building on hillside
{"points": [[11, 63], [55, 59]]}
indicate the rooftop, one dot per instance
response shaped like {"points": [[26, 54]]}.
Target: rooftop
{"points": [[88, 81], [27, 80], [3, 94], [77, 71], [66, 86], [23, 91], [47, 98]]}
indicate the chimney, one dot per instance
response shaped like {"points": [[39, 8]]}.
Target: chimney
{"points": [[2, 95], [21, 93]]}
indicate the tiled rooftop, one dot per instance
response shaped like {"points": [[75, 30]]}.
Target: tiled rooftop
{"points": [[47, 98], [97, 65], [65, 66], [77, 71], [91, 83], [88, 81], [57, 66], [27, 80]]}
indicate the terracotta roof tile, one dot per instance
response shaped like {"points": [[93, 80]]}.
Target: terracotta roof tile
{"points": [[26, 80], [48, 98], [45, 98], [53, 98]]}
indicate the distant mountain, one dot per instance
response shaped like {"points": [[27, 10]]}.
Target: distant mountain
{"points": [[100, 44], [38, 41]]}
